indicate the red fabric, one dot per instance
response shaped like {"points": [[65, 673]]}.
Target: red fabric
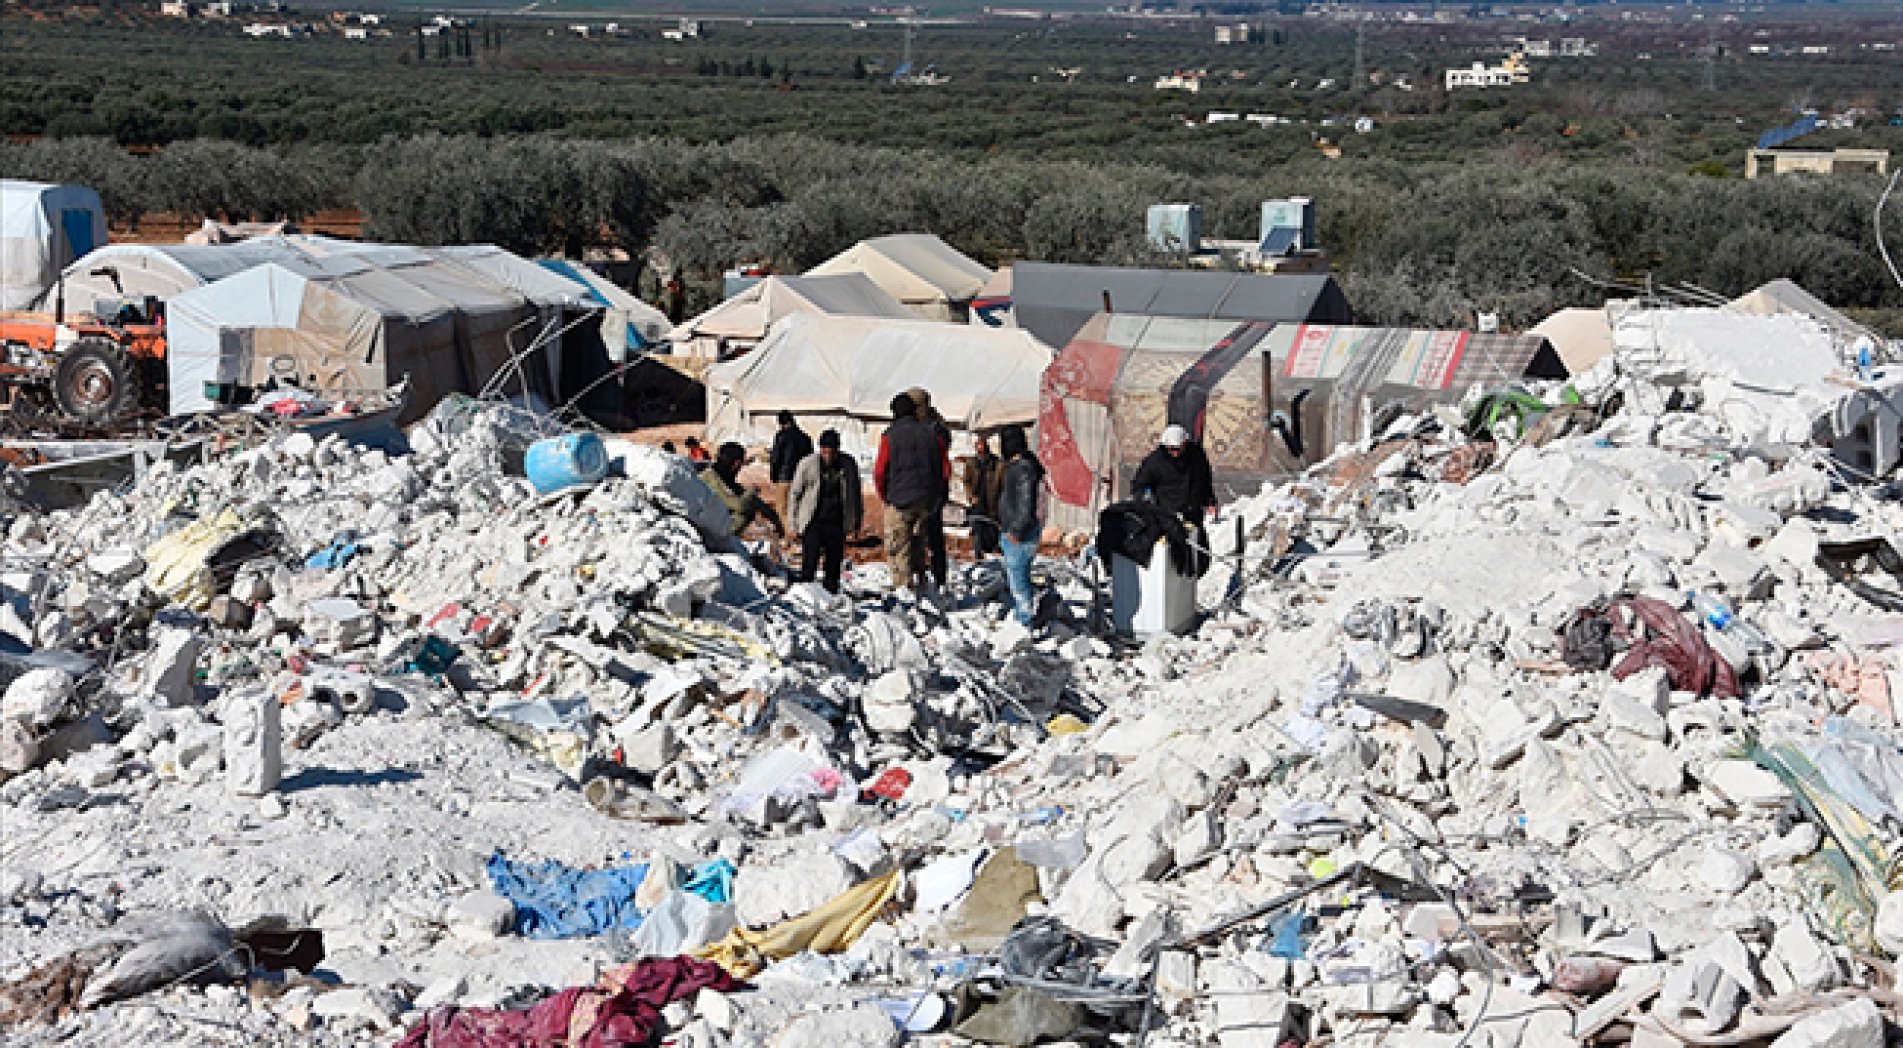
{"points": [[1084, 371], [879, 464], [1672, 642], [891, 784], [623, 1011]]}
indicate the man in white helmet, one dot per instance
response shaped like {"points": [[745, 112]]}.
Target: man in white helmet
{"points": [[1176, 477]]}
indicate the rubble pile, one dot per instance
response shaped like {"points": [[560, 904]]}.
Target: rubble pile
{"points": [[1575, 727]]}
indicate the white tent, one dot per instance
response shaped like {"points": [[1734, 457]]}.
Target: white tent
{"points": [[164, 270], [739, 323], [928, 275], [1581, 336], [327, 331], [842, 372], [42, 229]]}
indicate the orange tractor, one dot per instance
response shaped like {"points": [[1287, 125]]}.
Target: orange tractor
{"points": [[94, 372]]}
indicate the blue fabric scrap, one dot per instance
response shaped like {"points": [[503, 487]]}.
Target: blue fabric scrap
{"points": [[556, 901], [712, 880], [330, 558]]}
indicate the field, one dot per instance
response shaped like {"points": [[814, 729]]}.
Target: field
{"points": [[783, 142]]}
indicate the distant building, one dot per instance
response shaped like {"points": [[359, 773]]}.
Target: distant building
{"points": [[1180, 81], [1577, 47], [1506, 74], [1759, 49], [1222, 118], [1233, 34], [264, 29], [685, 29], [1816, 161], [356, 32], [177, 9]]}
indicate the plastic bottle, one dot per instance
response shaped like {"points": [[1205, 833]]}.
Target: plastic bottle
{"points": [[1717, 614], [1712, 609]]}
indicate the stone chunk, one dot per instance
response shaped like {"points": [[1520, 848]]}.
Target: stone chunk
{"points": [[1857, 1024], [1747, 785], [861, 1026], [254, 743], [481, 915], [171, 667], [38, 698]]}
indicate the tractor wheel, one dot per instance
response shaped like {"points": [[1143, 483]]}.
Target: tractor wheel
{"points": [[93, 383]]}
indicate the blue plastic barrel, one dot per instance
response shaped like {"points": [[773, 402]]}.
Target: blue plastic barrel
{"points": [[559, 463]]}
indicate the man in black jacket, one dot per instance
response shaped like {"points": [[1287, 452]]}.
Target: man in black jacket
{"points": [[1177, 478], [912, 473], [791, 445], [1020, 519]]}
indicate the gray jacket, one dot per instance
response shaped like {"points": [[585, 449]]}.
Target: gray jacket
{"points": [[802, 499]]}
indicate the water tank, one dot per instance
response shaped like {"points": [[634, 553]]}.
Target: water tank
{"points": [[1176, 227], [1292, 213], [560, 463], [1147, 601]]}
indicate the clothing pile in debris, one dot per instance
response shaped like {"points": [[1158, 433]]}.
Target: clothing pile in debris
{"points": [[1576, 733]]}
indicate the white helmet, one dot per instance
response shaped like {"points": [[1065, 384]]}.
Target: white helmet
{"points": [[1174, 437]]}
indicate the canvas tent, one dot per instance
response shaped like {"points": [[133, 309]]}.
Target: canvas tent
{"points": [[842, 372], [1054, 301], [1113, 389], [163, 270], [332, 328], [43, 228], [739, 323], [1581, 336], [927, 275]]}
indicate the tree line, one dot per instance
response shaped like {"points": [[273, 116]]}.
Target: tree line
{"points": [[1414, 243]]}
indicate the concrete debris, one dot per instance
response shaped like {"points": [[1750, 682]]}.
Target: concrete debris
{"points": [[1397, 785]]}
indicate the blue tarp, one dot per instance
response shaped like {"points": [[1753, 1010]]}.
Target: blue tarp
{"points": [[555, 901]]}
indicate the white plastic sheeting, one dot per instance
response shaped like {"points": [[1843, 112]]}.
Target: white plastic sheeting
{"points": [[932, 278], [43, 228], [842, 372], [166, 270], [742, 321]]}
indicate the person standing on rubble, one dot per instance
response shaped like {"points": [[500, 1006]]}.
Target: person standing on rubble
{"points": [[1177, 478], [695, 452], [1020, 519], [983, 474], [935, 559], [912, 473], [825, 506], [791, 446], [743, 503]]}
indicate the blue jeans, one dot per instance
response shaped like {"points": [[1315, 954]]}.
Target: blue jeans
{"points": [[1017, 572]]}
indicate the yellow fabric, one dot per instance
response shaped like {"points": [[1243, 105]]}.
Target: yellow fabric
{"points": [[829, 929], [175, 564]]}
